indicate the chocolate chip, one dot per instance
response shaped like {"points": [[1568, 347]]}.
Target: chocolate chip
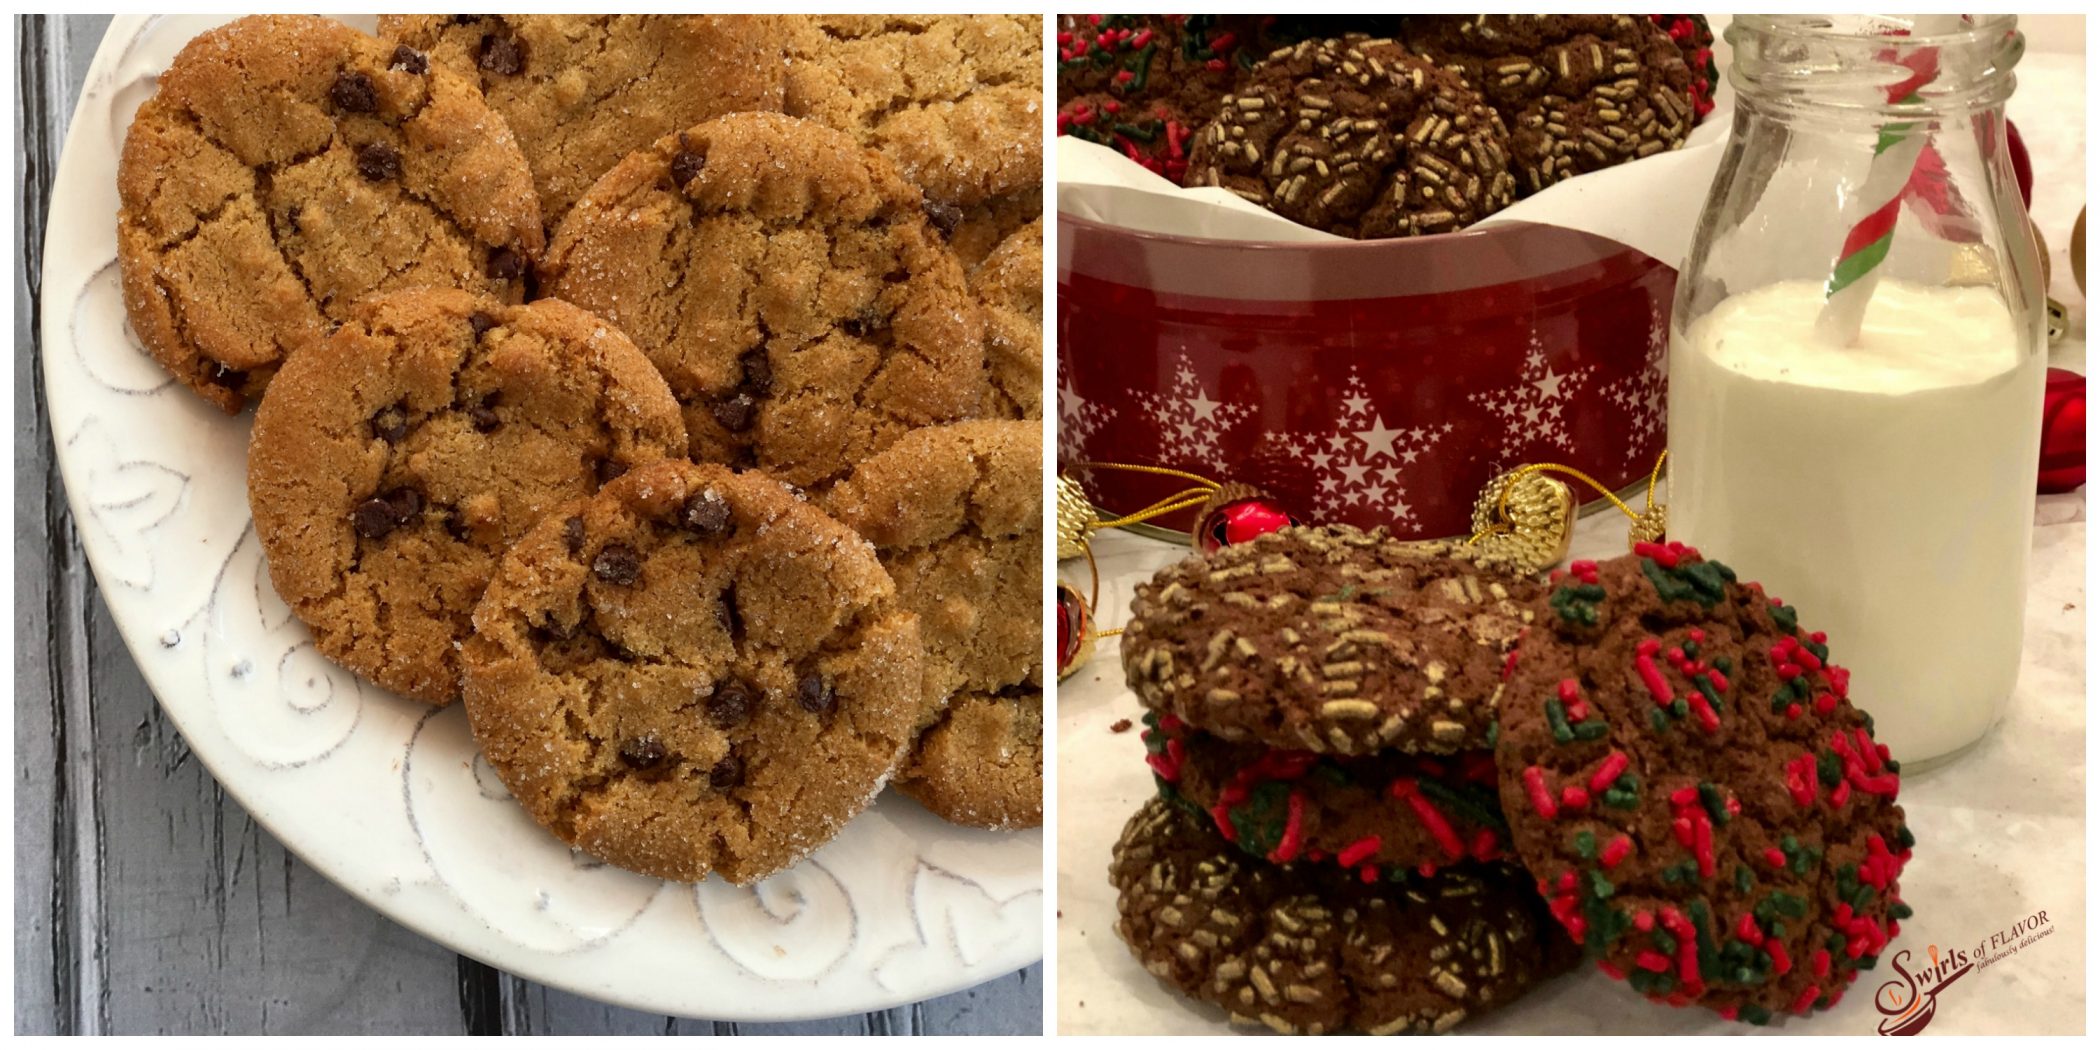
{"points": [[483, 415], [505, 264], [708, 515], [859, 325], [230, 378], [945, 216], [736, 412], [456, 527], [727, 615], [373, 519], [758, 371], [685, 164], [731, 705], [608, 469], [502, 54], [481, 323], [410, 60], [378, 162], [618, 564], [352, 93], [572, 534], [815, 694], [466, 20], [291, 218], [728, 773], [406, 503], [390, 424], [643, 753]]}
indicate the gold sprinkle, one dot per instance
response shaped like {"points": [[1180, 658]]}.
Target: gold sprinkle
{"points": [[1340, 687], [1349, 709]]}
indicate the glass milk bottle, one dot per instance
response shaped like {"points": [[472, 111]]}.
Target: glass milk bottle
{"points": [[1857, 359]]}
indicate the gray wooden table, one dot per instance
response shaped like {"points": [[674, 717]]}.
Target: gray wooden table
{"points": [[145, 899]]}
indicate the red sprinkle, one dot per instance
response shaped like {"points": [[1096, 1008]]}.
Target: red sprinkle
{"points": [[1221, 815], [1615, 851], [1541, 799], [1644, 661], [1608, 772], [1368, 873], [1793, 712], [1357, 852], [1781, 962], [1573, 797], [1819, 963], [1774, 857], [1806, 999], [1570, 690], [1509, 665], [1644, 921], [1840, 793], [1652, 961], [1484, 845], [1439, 828], [1610, 970], [1661, 555], [1293, 830]]}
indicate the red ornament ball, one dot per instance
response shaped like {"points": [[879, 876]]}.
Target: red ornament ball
{"points": [[2063, 433], [1075, 630], [1236, 514]]}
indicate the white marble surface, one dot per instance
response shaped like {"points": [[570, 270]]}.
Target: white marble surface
{"points": [[2001, 828]]}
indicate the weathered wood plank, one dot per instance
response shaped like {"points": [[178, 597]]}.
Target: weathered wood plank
{"points": [[1010, 1005]]}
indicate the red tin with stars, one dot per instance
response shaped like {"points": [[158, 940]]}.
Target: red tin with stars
{"points": [[1360, 382]]}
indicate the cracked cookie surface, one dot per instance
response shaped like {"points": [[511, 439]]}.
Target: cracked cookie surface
{"points": [[287, 166], [391, 465], [981, 765], [956, 514], [583, 91], [789, 287], [1300, 950], [1009, 284], [954, 101], [1329, 639], [692, 672]]}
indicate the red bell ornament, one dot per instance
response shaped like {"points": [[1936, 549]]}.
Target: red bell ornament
{"points": [[1235, 514]]}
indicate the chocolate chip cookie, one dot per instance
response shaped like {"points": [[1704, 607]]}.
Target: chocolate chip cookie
{"points": [[981, 765], [1297, 950], [691, 672], [1686, 775], [954, 101], [583, 91], [1330, 639], [1357, 136], [1376, 816], [1009, 284], [956, 514], [1579, 93], [391, 465], [789, 287], [287, 166]]}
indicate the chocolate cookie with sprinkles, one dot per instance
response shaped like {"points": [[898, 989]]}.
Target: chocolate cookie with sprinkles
{"points": [[1376, 816], [1294, 949], [1329, 639], [1704, 807], [1579, 93]]}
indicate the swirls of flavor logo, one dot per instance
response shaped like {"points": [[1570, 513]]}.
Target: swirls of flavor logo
{"points": [[1907, 1004]]}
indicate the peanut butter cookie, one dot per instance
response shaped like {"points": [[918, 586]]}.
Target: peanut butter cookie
{"points": [[692, 672], [391, 465], [289, 165], [787, 284]]}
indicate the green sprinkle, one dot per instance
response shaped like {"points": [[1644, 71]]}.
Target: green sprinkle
{"points": [[1557, 719], [1829, 770], [1835, 942], [1585, 843], [1577, 603], [1494, 733], [1663, 942], [1702, 920], [1481, 805], [1862, 898], [1776, 928], [1724, 665], [1866, 962], [1754, 1014], [1680, 708], [1600, 887], [1593, 729], [1788, 905], [1822, 651], [1899, 910], [1617, 799], [1893, 765], [1742, 879], [1904, 839], [1671, 875], [1616, 923], [1259, 822], [1785, 617], [1716, 807], [1656, 721]]}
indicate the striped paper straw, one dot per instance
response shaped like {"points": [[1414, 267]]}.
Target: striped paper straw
{"points": [[1896, 153]]}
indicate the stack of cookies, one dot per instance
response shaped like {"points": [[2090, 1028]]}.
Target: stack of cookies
{"points": [[1328, 850], [665, 387], [1357, 742], [1383, 126]]}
